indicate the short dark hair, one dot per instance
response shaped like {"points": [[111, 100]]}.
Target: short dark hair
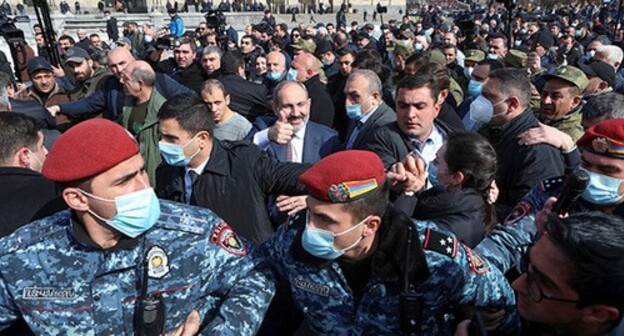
{"points": [[513, 82], [593, 242], [16, 131], [418, 81], [283, 26], [371, 59], [107, 12], [373, 204], [69, 38], [231, 61], [346, 51], [251, 37], [278, 41], [93, 35], [494, 64], [189, 111]]}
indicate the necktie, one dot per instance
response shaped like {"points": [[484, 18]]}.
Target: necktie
{"points": [[354, 134], [289, 151], [189, 189]]}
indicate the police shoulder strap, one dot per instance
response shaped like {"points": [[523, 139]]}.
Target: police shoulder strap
{"points": [[410, 302]]}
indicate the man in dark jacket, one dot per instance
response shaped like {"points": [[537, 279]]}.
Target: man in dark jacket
{"points": [[366, 109], [246, 98], [305, 69], [111, 27], [183, 67], [212, 174], [506, 96], [110, 98], [417, 129], [25, 194]]}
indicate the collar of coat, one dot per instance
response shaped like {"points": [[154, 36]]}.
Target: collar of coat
{"points": [[389, 257]]}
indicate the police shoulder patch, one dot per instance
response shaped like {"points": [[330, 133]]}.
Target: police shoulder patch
{"points": [[441, 243], [520, 211], [223, 236], [476, 264], [552, 183]]}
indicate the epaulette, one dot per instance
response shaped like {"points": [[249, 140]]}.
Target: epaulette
{"points": [[296, 221], [552, 183], [182, 222], [441, 243], [34, 232]]}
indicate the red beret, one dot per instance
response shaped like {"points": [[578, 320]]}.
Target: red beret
{"points": [[344, 176], [605, 138], [87, 149]]}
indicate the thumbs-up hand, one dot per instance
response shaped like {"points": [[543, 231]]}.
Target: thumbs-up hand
{"points": [[282, 131]]}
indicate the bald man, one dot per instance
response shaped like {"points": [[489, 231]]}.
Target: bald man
{"points": [[139, 114], [276, 71], [305, 68], [110, 98]]}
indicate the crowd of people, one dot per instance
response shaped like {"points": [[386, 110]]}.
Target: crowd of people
{"points": [[400, 178]]}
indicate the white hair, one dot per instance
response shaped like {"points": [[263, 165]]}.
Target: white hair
{"points": [[613, 54]]}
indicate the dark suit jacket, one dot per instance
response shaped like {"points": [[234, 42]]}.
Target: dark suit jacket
{"points": [[111, 29], [392, 145], [383, 116], [25, 196], [192, 76], [322, 109], [236, 184], [246, 98], [318, 142], [110, 98]]}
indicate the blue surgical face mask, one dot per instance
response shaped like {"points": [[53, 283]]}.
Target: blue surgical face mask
{"points": [[602, 189], [492, 56], [482, 110], [274, 75], [326, 63], [474, 88], [418, 46], [468, 71], [137, 212], [320, 243], [577, 33], [590, 54], [354, 112], [292, 74], [174, 154]]}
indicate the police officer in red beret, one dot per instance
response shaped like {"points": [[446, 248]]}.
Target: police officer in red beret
{"points": [[576, 267], [86, 270], [354, 264]]}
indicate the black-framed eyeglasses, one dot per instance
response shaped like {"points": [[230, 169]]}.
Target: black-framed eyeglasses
{"points": [[535, 290]]}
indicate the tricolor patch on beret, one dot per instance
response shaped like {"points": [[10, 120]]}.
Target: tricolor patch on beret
{"points": [[605, 138], [349, 190]]}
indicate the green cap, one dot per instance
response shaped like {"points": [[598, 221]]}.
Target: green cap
{"points": [[515, 59], [570, 74], [436, 56], [305, 45], [474, 55]]}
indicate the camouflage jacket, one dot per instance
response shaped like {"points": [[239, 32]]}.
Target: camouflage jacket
{"points": [[54, 276], [445, 273], [506, 243]]}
